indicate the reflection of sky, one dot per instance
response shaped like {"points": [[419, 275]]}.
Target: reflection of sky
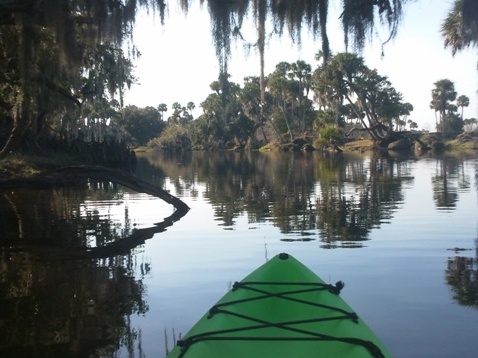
{"points": [[142, 209], [396, 283]]}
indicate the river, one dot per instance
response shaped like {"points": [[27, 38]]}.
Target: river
{"points": [[399, 230]]}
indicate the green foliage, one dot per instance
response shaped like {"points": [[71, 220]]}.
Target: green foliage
{"points": [[242, 129], [224, 123], [369, 96], [174, 138], [141, 124], [62, 56], [204, 132], [453, 124], [329, 134], [460, 28], [279, 120], [324, 118], [181, 115], [289, 85], [449, 122]]}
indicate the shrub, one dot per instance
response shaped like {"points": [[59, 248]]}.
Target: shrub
{"points": [[329, 134], [174, 138]]}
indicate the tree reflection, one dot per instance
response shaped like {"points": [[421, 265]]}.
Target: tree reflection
{"points": [[60, 217], [357, 196], [334, 198], [69, 276], [462, 272], [462, 276], [68, 308], [449, 179]]}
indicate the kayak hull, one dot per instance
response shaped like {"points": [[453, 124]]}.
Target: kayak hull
{"points": [[282, 309]]}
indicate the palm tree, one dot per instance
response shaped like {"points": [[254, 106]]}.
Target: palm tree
{"points": [[190, 106], [460, 28], [97, 22], [163, 107], [443, 93], [412, 124], [176, 115], [358, 19], [462, 101]]}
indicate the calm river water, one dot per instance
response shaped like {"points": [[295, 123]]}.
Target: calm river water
{"points": [[400, 231]]}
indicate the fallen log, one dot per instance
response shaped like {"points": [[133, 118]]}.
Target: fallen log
{"points": [[71, 174]]}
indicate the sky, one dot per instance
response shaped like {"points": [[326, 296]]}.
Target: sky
{"points": [[178, 61]]}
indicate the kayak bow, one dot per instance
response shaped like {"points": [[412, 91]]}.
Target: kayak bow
{"points": [[282, 309]]}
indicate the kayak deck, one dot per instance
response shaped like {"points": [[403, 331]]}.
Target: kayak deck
{"points": [[282, 309]]}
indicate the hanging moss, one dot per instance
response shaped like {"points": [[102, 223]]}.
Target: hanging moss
{"points": [[359, 16]]}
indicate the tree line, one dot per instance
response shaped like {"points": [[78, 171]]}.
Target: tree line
{"points": [[336, 102], [66, 65]]}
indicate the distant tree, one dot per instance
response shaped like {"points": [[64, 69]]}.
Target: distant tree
{"points": [[412, 124], [141, 124], [281, 88], [289, 86], [255, 108], [325, 117], [224, 123], [181, 115], [175, 117], [190, 106], [162, 108], [174, 138], [301, 73], [405, 111], [453, 124], [462, 101], [442, 97], [345, 78], [94, 122]]}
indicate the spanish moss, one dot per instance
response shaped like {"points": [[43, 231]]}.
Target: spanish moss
{"points": [[358, 19]]}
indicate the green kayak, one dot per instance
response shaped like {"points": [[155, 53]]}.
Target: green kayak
{"points": [[282, 309]]}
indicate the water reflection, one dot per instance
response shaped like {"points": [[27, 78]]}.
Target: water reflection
{"points": [[333, 198], [69, 272], [67, 216], [69, 308], [84, 219], [462, 277], [449, 179]]}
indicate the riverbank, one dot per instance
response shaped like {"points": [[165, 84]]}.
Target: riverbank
{"points": [[18, 165]]}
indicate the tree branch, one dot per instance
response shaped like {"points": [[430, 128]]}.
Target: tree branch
{"points": [[53, 86]]}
